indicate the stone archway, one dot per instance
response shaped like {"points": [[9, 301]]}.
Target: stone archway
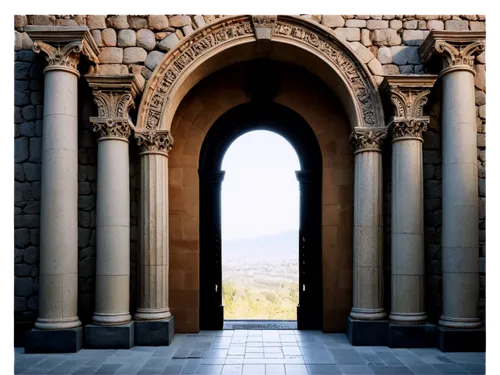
{"points": [[255, 36], [218, 45]]}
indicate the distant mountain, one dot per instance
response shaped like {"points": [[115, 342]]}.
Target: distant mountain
{"points": [[280, 246]]}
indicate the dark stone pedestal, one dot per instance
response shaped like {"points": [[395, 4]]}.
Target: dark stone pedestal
{"points": [[48, 341], [20, 330], [154, 333], [367, 332], [109, 337], [412, 335], [461, 340]]}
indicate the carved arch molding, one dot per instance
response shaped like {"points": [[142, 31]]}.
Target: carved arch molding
{"points": [[226, 31]]}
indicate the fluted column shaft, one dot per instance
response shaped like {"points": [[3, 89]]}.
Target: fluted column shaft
{"points": [[59, 188], [368, 249], [459, 243], [153, 258]]}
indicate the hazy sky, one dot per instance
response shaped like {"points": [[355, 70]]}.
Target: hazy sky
{"points": [[260, 193]]}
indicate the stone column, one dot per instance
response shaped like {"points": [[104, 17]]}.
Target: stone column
{"points": [[114, 95], [368, 301], [460, 254], [58, 283], [153, 315], [408, 95]]}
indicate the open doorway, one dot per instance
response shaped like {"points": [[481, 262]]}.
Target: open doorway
{"points": [[260, 226], [281, 121]]}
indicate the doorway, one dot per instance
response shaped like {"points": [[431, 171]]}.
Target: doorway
{"points": [[260, 226], [230, 126]]}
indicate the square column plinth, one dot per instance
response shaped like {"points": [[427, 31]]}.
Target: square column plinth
{"points": [[53, 341], [367, 332], [154, 333], [109, 337], [461, 339], [412, 335]]}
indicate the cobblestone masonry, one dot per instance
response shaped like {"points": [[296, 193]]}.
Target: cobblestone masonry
{"points": [[137, 44]]}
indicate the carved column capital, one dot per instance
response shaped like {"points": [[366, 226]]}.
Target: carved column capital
{"points": [[363, 139], [154, 142], [114, 96], [63, 46], [405, 97], [456, 48]]}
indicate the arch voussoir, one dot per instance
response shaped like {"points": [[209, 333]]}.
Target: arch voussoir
{"points": [[222, 34]]}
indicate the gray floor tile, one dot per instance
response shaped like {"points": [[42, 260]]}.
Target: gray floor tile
{"points": [[107, 369], [296, 370], [254, 369], [449, 368], [347, 357], [323, 369], [275, 369], [253, 353], [423, 369], [473, 368], [395, 370], [232, 369], [86, 370], [209, 369], [173, 369]]}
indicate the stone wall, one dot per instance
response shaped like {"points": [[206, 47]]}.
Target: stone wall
{"points": [[28, 112], [137, 44]]}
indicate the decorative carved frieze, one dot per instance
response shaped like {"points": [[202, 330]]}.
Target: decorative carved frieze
{"points": [[63, 46], [406, 96], [114, 96], [362, 139], [230, 29], [458, 48], [160, 141]]}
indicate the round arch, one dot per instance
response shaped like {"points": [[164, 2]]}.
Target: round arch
{"points": [[291, 126], [233, 39]]}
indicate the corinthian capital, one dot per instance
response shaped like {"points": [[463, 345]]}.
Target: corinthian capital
{"points": [[114, 96], [457, 48], [156, 141], [363, 139], [405, 97], [63, 46]]}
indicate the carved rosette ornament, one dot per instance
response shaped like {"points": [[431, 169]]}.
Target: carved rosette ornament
{"points": [[367, 140], [152, 142], [458, 49], [114, 97], [63, 46]]}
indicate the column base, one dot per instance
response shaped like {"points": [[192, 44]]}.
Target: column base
{"points": [[49, 341], [109, 337], [412, 335], [367, 332], [154, 333], [461, 340]]}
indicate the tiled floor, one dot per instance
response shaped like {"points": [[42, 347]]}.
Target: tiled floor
{"points": [[254, 352]]}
